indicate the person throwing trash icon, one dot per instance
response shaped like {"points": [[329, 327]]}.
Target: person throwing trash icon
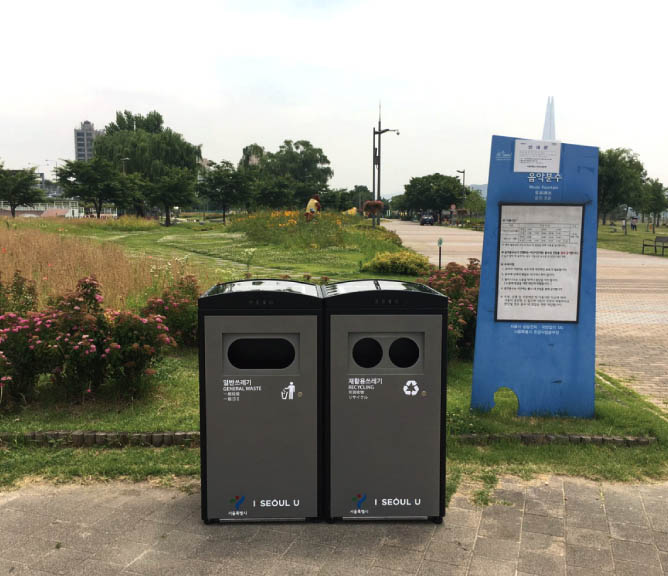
{"points": [[288, 392]]}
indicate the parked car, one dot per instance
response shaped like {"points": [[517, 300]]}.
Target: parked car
{"points": [[426, 219]]}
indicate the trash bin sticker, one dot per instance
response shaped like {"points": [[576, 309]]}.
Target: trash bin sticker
{"points": [[359, 509], [233, 388], [237, 504], [288, 393], [411, 388], [359, 388]]}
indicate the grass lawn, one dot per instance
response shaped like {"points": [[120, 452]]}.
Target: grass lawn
{"points": [[174, 406], [221, 253], [631, 241]]}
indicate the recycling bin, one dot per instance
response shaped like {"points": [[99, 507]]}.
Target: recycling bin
{"points": [[385, 409], [260, 357]]}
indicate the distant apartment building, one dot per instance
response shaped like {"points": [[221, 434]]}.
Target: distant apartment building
{"points": [[83, 140]]}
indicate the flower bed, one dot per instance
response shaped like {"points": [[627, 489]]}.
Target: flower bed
{"points": [[78, 347]]}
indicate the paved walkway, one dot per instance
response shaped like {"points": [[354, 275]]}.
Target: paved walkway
{"points": [[631, 307], [548, 527]]}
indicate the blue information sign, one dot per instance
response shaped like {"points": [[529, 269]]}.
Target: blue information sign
{"points": [[537, 306]]}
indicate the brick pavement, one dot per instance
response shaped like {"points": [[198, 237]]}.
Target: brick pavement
{"points": [[631, 308], [545, 527]]}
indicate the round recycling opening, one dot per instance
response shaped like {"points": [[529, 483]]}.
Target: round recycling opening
{"points": [[404, 352], [367, 352]]}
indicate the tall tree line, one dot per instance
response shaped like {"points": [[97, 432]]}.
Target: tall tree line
{"points": [[623, 185]]}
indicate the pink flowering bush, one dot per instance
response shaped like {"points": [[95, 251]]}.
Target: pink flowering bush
{"points": [[178, 307], [77, 347], [135, 343], [461, 285], [25, 353], [82, 332]]}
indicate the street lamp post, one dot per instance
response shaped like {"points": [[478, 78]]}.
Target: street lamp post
{"points": [[463, 173], [376, 161]]}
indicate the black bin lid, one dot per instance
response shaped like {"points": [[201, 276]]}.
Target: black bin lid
{"points": [[384, 294], [261, 293]]}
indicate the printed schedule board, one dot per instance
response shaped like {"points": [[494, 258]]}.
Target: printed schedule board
{"points": [[535, 330], [538, 270]]}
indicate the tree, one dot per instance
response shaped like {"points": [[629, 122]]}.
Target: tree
{"points": [[19, 188], [95, 181], [223, 185], [174, 187], [302, 166], [359, 195], [620, 180], [334, 199], [135, 192], [142, 145], [434, 192], [474, 202], [655, 199], [274, 191], [129, 122]]}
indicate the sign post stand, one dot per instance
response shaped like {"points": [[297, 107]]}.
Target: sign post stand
{"points": [[440, 244], [536, 311]]}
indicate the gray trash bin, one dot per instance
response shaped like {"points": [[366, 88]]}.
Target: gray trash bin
{"points": [[260, 358], [385, 394]]}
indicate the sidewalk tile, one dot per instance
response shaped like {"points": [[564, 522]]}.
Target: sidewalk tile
{"points": [[543, 525], [542, 564], [532, 542], [630, 532], [496, 549], [587, 538], [592, 558], [486, 567], [624, 550], [400, 559], [429, 568]]}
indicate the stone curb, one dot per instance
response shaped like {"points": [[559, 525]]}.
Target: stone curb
{"points": [[540, 439], [92, 438]]}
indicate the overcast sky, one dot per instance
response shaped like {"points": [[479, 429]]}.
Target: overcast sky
{"points": [[449, 75]]}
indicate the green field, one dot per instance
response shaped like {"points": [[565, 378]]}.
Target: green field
{"points": [[631, 241]]}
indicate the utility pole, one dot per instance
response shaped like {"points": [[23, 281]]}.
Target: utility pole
{"points": [[376, 160]]}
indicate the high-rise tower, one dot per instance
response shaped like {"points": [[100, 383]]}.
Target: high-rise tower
{"points": [[83, 140], [548, 129]]}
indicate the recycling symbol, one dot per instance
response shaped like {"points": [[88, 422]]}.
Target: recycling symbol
{"points": [[411, 388]]}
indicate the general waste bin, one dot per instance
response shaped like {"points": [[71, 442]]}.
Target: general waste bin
{"points": [[385, 388], [260, 358]]}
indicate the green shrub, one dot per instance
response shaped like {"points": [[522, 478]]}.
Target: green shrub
{"points": [[404, 262], [18, 296]]}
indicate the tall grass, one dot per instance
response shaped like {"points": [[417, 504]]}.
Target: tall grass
{"points": [[55, 263], [84, 225]]}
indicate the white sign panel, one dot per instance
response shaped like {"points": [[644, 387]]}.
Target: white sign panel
{"points": [[539, 263], [537, 156]]}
